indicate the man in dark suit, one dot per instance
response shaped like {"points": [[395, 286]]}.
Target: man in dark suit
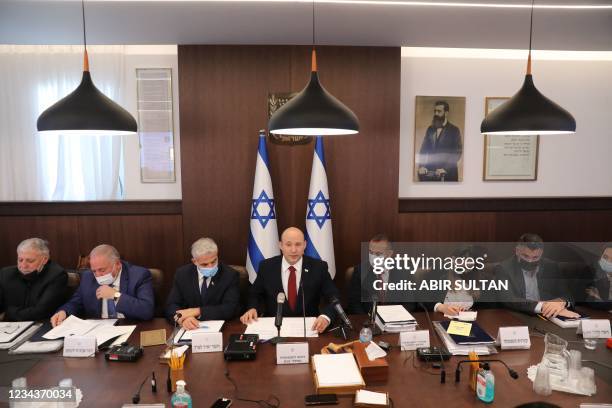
{"points": [[362, 289], [35, 287], [535, 284], [205, 289], [110, 288], [599, 291], [299, 277], [441, 148]]}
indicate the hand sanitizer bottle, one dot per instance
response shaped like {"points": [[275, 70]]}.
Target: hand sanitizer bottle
{"points": [[485, 384], [181, 398]]}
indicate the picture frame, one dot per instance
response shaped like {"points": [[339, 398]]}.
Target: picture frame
{"points": [[509, 157]]}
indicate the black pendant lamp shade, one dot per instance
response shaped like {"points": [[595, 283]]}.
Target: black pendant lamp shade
{"points": [[528, 112], [314, 112], [87, 110]]}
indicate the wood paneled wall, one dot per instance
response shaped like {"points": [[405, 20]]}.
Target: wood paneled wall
{"points": [[223, 91]]}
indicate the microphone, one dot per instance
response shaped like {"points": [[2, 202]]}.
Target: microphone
{"points": [[303, 301], [511, 372], [136, 397], [280, 299], [340, 312], [442, 370]]}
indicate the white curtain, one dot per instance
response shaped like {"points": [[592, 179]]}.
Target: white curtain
{"points": [[56, 167]]}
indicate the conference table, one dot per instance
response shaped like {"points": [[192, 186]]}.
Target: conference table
{"points": [[411, 383]]}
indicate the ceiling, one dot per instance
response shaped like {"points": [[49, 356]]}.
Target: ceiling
{"points": [[337, 23]]}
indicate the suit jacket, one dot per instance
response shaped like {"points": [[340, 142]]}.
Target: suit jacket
{"points": [[36, 299], [551, 284], [316, 284], [136, 301], [443, 153], [361, 288], [221, 299]]}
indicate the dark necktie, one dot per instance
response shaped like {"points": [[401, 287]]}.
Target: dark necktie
{"points": [[291, 289], [203, 289], [111, 311]]}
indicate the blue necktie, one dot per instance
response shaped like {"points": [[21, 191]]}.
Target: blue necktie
{"points": [[112, 312]]}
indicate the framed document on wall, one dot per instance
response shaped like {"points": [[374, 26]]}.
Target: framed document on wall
{"points": [[509, 157]]}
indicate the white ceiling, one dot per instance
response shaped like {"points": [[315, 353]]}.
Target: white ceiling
{"points": [[274, 22]]}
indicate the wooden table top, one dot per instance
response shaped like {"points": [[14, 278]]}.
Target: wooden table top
{"points": [[110, 384]]}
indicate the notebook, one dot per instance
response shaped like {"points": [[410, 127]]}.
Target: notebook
{"points": [[477, 335]]}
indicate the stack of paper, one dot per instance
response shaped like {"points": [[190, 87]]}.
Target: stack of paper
{"points": [[394, 319], [9, 331], [73, 326], [462, 349], [364, 398], [567, 322], [292, 327], [208, 326], [25, 335], [336, 370]]}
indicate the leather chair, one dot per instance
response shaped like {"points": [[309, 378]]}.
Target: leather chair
{"points": [[157, 276], [244, 286]]}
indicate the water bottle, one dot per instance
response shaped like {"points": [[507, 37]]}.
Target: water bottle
{"points": [[181, 398], [365, 335]]}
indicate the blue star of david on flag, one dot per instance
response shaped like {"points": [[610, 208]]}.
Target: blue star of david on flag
{"points": [[263, 218], [312, 213]]}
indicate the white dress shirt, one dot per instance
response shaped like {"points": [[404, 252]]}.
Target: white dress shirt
{"points": [[116, 285], [298, 275]]}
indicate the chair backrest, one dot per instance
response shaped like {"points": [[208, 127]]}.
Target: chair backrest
{"points": [[244, 285], [157, 276], [348, 276], [74, 280]]}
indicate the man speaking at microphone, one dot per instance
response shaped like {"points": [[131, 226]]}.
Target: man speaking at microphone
{"points": [[300, 278]]}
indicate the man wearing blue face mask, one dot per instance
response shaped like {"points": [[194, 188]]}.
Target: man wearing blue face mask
{"points": [[205, 289], [599, 292], [110, 288], [535, 283]]}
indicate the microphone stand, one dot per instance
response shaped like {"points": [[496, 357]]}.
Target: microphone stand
{"points": [[376, 331]]}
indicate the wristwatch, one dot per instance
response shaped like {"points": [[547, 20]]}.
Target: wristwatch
{"points": [[116, 296]]}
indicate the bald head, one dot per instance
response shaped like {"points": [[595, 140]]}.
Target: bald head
{"points": [[292, 244]]}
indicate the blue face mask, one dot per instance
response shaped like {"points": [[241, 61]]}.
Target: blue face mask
{"points": [[208, 272]]}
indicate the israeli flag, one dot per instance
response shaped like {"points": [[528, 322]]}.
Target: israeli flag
{"points": [[263, 234], [319, 234]]}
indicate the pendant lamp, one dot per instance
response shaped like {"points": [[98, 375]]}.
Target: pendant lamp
{"points": [[314, 111], [528, 112], [86, 110]]}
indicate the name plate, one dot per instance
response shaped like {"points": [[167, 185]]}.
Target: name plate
{"points": [[413, 340], [292, 353], [79, 346], [594, 328], [513, 338], [206, 342]]}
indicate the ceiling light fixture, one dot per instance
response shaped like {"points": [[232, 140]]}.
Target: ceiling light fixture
{"points": [[314, 111], [86, 110], [528, 112]]}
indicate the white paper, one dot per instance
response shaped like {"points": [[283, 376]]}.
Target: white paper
{"points": [[336, 370], [394, 313], [80, 346], [371, 398], [292, 353], [374, 351], [206, 342], [513, 338], [25, 335], [414, 340], [105, 332], [34, 347], [72, 326], [292, 327], [208, 326], [594, 328], [11, 330]]}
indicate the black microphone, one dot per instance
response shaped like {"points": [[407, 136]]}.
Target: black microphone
{"points": [[511, 372], [280, 300], [442, 370], [340, 312], [136, 397], [303, 301]]}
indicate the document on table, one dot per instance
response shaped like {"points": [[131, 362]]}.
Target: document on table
{"points": [[9, 331], [208, 326], [394, 314], [292, 327], [106, 332], [369, 398], [336, 370], [73, 326]]}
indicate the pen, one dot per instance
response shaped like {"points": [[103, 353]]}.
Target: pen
{"points": [[542, 317]]}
